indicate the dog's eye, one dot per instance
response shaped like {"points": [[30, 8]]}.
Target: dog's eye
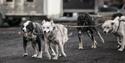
{"points": [[107, 27], [47, 27], [43, 27]]}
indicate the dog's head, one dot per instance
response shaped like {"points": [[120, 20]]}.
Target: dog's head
{"points": [[47, 26], [85, 19], [27, 28], [110, 25]]}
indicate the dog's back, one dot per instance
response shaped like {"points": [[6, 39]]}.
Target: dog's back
{"points": [[63, 31], [85, 20], [38, 29]]}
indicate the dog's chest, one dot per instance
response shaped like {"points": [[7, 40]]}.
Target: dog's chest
{"points": [[31, 38], [52, 38]]}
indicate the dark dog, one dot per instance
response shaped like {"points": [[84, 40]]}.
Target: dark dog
{"points": [[115, 15], [85, 20], [32, 32]]}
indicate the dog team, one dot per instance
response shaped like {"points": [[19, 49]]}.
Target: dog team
{"points": [[50, 37]]}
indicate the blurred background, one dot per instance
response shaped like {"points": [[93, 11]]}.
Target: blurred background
{"points": [[13, 11]]}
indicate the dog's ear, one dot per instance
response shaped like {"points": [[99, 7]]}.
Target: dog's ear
{"points": [[30, 27], [51, 21], [43, 21], [117, 18]]}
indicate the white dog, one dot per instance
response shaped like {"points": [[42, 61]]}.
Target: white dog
{"points": [[55, 34], [117, 27]]}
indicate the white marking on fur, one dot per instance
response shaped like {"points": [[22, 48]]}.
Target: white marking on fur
{"points": [[34, 56], [25, 54], [81, 45], [25, 24], [40, 55]]}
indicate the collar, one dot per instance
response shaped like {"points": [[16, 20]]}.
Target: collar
{"points": [[119, 25]]}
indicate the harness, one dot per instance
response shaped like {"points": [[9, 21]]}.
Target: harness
{"points": [[119, 24]]}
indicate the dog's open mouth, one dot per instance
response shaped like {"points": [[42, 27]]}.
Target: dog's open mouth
{"points": [[46, 34]]}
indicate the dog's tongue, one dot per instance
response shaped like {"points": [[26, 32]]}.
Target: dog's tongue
{"points": [[45, 34]]}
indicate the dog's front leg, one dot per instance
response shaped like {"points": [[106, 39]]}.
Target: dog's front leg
{"points": [[47, 48], [25, 46], [57, 52], [119, 41], [39, 48], [122, 44], [35, 49], [80, 40], [51, 47], [90, 34], [62, 49], [94, 43]]}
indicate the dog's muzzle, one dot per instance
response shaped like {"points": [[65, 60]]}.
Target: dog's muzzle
{"points": [[105, 32], [46, 32]]}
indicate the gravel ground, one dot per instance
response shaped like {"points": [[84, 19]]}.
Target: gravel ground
{"points": [[11, 50]]}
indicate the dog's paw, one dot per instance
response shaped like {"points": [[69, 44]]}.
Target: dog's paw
{"points": [[118, 46], [34, 56], [39, 56], [93, 46], [80, 48], [53, 54], [49, 58], [120, 49], [60, 54], [25, 54], [55, 58], [80, 45], [64, 55]]}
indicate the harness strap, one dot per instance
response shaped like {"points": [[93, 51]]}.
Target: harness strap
{"points": [[119, 24]]}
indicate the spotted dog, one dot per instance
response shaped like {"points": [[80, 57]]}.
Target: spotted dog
{"points": [[117, 27], [86, 20], [32, 32], [56, 35]]}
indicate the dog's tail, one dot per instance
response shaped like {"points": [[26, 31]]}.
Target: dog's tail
{"points": [[100, 36]]}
